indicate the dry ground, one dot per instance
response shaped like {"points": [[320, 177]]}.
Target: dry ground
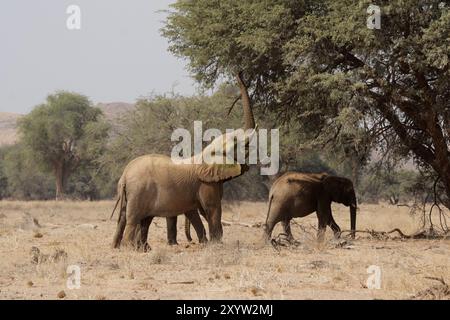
{"points": [[243, 267]]}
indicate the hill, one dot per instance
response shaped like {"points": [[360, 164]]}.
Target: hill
{"points": [[8, 120], [8, 132]]}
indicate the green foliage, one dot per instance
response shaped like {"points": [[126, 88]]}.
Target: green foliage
{"points": [[396, 187], [3, 177], [24, 180], [63, 135], [65, 119], [348, 87]]}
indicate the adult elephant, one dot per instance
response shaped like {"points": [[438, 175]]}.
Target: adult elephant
{"points": [[297, 194], [154, 185]]}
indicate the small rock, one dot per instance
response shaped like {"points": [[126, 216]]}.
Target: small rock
{"points": [[87, 226], [38, 235], [61, 294], [30, 283], [319, 264], [256, 291]]}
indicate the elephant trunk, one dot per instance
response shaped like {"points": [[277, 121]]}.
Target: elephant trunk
{"points": [[353, 219], [249, 120]]}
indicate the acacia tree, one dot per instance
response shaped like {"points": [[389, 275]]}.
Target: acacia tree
{"points": [[316, 62], [63, 134]]}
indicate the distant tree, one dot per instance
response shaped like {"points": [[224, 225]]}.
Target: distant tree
{"points": [[24, 180], [63, 134], [3, 177], [316, 62]]}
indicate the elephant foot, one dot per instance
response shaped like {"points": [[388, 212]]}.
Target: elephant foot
{"points": [[172, 242], [144, 248], [216, 241]]}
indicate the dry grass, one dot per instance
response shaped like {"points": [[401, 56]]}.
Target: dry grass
{"points": [[242, 267]]}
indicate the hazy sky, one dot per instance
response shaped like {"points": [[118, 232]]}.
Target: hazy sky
{"points": [[117, 55]]}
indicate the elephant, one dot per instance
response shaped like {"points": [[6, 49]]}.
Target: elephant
{"points": [[296, 194], [154, 185], [193, 219]]}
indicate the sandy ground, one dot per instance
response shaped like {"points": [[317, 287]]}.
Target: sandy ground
{"points": [[242, 267]]}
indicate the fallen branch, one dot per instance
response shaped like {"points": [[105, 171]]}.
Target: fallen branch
{"points": [[181, 282], [423, 234], [242, 224], [283, 240]]}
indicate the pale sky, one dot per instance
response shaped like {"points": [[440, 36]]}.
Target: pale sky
{"points": [[118, 55]]}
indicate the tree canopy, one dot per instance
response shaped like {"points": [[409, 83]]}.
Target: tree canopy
{"points": [[315, 62], [63, 134]]}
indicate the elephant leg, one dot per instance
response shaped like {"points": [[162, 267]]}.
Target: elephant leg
{"points": [[322, 226], [215, 223], [172, 230], [145, 225], [134, 215], [210, 197], [119, 230], [334, 226], [324, 217], [273, 217], [194, 218], [131, 236], [287, 229]]}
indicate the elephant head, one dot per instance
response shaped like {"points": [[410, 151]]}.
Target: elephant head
{"points": [[341, 190], [223, 158]]}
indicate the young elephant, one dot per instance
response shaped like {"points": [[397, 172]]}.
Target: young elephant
{"points": [[297, 194]]}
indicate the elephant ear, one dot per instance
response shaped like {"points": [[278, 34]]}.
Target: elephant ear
{"points": [[218, 172], [337, 187]]}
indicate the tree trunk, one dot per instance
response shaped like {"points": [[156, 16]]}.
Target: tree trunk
{"points": [[61, 174], [446, 181]]}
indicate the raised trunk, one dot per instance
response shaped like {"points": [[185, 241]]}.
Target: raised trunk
{"points": [[249, 120]]}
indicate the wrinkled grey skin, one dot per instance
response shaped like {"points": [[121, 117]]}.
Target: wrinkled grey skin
{"points": [[297, 194], [153, 185]]}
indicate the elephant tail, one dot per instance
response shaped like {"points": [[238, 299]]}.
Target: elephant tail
{"points": [[187, 229], [121, 198], [268, 209]]}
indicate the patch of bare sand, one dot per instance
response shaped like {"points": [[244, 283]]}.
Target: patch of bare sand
{"points": [[242, 267]]}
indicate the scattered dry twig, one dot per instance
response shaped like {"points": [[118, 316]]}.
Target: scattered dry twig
{"points": [[440, 291], [181, 282], [242, 224], [283, 240], [422, 234]]}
